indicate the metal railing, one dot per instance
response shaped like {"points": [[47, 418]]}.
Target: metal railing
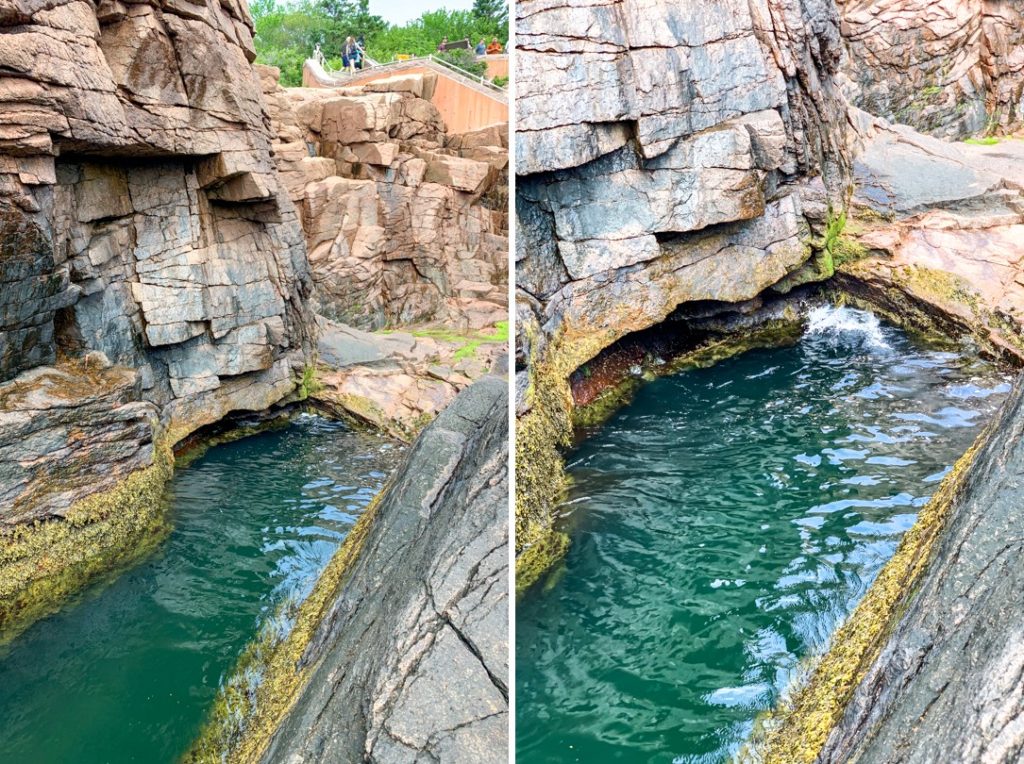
{"points": [[467, 74], [480, 79]]}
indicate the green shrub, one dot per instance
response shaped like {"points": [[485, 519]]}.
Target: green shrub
{"points": [[465, 60]]}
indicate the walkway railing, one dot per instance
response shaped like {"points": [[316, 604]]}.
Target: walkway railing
{"points": [[475, 77], [318, 54]]}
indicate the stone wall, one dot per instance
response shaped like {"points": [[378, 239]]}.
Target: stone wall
{"points": [[949, 68], [405, 223], [669, 153], [154, 274]]}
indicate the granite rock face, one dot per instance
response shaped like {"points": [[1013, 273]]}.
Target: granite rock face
{"points": [[411, 663], [667, 153], [404, 223], [956, 653], [143, 224], [949, 68], [940, 227]]}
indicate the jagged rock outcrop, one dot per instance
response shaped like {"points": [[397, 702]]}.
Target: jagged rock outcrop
{"points": [[399, 381], [404, 223], [938, 229], [668, 153], [951, 68], [144, 228], [411, 662]]}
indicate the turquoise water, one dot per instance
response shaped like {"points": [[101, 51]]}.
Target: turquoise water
{"points": [[127, 672], [722, 526]]}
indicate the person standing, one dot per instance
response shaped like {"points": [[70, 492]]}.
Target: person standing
{"points": [[494, 47], [481, 47], [349, 54], [443, 45]]}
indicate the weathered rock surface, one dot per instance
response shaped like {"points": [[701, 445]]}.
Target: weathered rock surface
{"points": [[411, 664], [400, 381], [66, 434], [668, 153], [951, 68], [142, 226], [404, 223], [942, 228], [947, 683]]}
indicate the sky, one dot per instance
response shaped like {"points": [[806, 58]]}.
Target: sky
{"points": [[401, 11]]}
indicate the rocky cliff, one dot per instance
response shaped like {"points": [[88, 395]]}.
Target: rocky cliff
{"points": [[153, 267], [404, 223], [950, 68], [667, 154]]}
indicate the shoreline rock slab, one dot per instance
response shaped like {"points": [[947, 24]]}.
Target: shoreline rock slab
{"points": [[411, 661], [941, 230], [956, 652]]}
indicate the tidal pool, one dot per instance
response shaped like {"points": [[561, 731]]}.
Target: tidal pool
{"points": [[128, 671], [723, 525]]}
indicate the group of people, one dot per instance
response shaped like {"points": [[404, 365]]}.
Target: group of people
{"points": [[353, 53], [482, 47], [493, 48]]}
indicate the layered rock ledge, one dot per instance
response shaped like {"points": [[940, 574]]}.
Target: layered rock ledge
{"points": [[154, 271], [404, 222]]}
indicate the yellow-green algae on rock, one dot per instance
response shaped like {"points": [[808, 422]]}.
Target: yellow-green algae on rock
{"points": [[243, 718], [42, 563], [540, 472], [796, 731]]}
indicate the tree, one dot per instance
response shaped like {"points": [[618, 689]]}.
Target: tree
{"points": [[495, 12]]}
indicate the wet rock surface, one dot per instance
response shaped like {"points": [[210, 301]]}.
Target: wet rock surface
{"points": [[946, 685], [404, 223], [949, 68], [411, 664]]}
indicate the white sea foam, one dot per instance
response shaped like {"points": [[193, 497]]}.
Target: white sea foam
{"points": [[845, 324]]}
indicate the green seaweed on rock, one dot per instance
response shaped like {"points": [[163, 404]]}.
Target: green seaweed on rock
{"points": [[43, 563], [272, 670]]}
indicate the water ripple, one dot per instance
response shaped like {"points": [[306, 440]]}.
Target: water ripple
{"points": [[127, 672], [723, 525]]}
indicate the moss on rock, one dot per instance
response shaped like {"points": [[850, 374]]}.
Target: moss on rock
{"points": [[42, 563], [246, 712]]}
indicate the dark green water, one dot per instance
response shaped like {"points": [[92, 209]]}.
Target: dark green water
{"points": [[722, 526], [127, 672]]}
